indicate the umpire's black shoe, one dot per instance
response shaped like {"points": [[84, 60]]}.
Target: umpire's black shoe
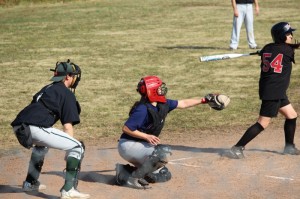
{"points": [[291, 150], [35, 186]]}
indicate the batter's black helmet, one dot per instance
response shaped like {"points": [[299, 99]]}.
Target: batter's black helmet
{"points": [[280, 30]]}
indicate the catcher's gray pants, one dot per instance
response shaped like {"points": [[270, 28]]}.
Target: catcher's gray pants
{"points": [[54, 138], [134, 152]]}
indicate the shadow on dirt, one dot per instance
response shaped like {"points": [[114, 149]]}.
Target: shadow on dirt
{"points": [[90, 176], [266, 151], [220, 151], [18, 189]]}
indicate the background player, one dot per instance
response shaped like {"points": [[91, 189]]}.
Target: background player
{"points": [[33, 126], [243, 12], [140, 144], [276, 68]]}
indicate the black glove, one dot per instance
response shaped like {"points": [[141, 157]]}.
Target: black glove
{"points": [[216, 101]]}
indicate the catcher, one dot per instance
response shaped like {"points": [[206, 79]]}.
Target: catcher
{"points": [[139, 143], [276, 69], [33, 128]]}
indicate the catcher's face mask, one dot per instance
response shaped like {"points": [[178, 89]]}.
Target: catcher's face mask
{"points": [[162, 90], [152, 88]]}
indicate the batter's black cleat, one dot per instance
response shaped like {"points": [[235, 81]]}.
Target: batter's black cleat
{"points": [[236, 152], [290, 149]]}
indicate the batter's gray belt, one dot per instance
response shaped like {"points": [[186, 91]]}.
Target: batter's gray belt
{"points": [[23, 135]]}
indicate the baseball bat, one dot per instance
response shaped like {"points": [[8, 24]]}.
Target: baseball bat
{"points": [[225, 56]]}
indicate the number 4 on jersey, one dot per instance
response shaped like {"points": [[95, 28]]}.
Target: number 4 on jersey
{"points": [[276, 63]]}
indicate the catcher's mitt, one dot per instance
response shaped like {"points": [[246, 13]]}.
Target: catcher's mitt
{"points": [[217, 101]]}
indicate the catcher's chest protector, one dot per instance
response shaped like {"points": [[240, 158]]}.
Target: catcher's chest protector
{"points": [[158, 118]]}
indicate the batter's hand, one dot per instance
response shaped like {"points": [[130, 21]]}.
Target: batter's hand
{"points": [[152, 139], [295, 45]]}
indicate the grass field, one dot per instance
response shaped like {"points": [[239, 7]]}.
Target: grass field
{"points": [[116, 42]]}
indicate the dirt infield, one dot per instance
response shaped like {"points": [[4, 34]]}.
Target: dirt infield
{"points": [[198, 165]]}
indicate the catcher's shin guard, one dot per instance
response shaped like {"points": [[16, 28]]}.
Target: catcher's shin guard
{"points": [[158, 159], [163, 175]]}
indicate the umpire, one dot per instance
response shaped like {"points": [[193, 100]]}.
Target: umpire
{"points": [[33, 128]]}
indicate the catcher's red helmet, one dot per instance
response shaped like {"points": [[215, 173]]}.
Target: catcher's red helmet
{"points": [[153, 88], [280, 30]]}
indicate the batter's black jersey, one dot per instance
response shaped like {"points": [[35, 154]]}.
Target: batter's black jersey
{"points": [[52, 103], [276, 68]]}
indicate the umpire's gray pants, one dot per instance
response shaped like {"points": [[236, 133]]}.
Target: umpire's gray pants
{"points": [[56, 139]]}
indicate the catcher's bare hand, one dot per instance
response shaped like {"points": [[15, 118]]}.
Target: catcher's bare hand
{"points": [[152, 139]]}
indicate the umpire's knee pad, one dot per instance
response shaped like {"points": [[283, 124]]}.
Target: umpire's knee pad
{"points": [[76, 152], [40, 150]]}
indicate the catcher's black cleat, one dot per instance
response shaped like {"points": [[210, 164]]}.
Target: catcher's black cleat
{"points": [[124, 178], [290, 149], [137, 183], [236, 152]]}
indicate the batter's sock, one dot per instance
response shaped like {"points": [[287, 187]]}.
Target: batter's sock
{"points": [[71, 172], [250, 134], [289, 130]]}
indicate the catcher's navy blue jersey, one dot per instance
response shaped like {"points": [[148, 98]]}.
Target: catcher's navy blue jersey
{"points": [[140, 119], [52, 103], [276, 68]]}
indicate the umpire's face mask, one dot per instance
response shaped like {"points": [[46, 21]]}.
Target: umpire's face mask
{"points": [[76, 76]]}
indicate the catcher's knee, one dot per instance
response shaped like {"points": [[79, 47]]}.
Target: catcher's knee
{"points": [[158, 159], [161, 153], [160, 156]]}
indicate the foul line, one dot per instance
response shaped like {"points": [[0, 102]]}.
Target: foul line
{"points": [[182, 159], [280, 178], [197, 166], [187, 165], [184, 164]]}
